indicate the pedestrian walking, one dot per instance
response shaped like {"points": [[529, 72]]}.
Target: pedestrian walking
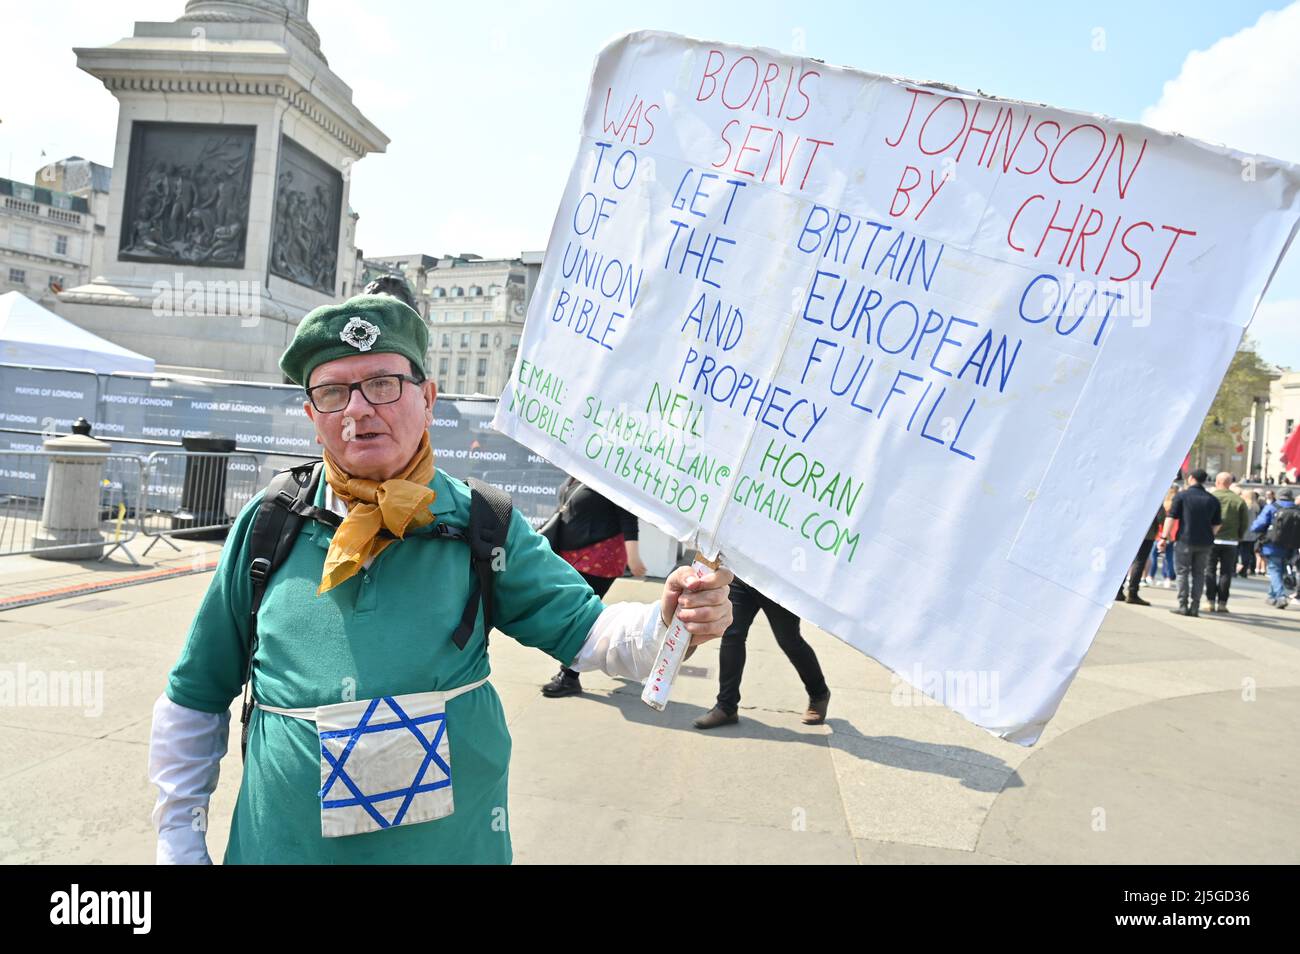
{"points": [[1198, 514], [1279, 527], [746, 602]]}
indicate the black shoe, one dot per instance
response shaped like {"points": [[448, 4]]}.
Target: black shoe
{"points": [[815, 714], [716, 717], [1136, 600], [1182, 611], [562, 685]]}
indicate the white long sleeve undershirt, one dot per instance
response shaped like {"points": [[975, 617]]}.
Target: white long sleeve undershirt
{"points": [[185, 751]]}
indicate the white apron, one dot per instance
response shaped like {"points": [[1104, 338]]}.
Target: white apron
{"points": [[383, 762]]}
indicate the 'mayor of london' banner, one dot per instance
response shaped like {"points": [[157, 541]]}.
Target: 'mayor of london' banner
{"points": [[893, 349], [266, 419]]}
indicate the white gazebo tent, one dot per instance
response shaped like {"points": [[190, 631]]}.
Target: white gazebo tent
{"points": [[30, 334]]}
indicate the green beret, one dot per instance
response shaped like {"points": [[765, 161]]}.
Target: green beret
{"points": [[366, 324]]}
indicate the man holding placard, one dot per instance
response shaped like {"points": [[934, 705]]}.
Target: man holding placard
{"points": [[362, 643]]}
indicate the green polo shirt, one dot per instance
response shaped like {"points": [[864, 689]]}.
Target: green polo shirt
{"points": [[385, 631]]}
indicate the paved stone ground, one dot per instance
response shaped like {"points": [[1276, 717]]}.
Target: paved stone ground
{"points": [[1176, 743]]}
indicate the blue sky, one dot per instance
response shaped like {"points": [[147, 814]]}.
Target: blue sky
{"points": [[482, 101]]}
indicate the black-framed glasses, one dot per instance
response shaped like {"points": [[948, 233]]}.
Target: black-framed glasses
{"points": [[381, 389]]}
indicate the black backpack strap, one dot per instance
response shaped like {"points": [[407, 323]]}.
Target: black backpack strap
{"points": [[284, 507], [489, 525], [311, 512]]}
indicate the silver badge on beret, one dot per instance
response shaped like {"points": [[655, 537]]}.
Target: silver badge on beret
{"points": [[359, 333]]}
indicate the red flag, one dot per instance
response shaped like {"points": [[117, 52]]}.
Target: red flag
{"points": [[1291, 450]]}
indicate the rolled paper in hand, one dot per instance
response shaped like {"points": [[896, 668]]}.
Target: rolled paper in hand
{"points": [[673, 648]]}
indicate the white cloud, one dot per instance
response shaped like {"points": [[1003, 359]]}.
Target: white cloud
{"points": [[1242, 92]]}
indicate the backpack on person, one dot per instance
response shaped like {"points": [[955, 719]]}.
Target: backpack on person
{"points": [[286, 505], [1284, 528]]}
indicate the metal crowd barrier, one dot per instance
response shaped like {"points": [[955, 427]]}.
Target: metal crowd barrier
{"points": [[195, 494], [163, 495], [115, 513]]}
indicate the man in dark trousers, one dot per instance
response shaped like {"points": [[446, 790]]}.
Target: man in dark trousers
{"points": [[1199, 515], [1227, 541], [745, 604]]}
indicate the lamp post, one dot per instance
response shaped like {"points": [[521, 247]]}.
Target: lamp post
{"points": [[1268, 413], [1250, 441]]}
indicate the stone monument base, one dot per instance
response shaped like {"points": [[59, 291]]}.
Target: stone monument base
{"points": [[45, 538], [215, 328]]}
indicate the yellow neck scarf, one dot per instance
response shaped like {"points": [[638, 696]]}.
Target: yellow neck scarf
{"points": [[397, 503]]}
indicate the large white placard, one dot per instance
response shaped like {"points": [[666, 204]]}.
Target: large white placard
{"points": [[919, 363]]}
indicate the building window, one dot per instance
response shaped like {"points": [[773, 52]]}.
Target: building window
{"points": [[446, 341], [464, 339], [442, 367], [462, 365], [481, 387], [475, 291], [457, 292], [20, 236], [482, 340], [460, 385], [514, 341], [60, 245], [17, 276], [467, 316], [482, 367], [487, 316]]}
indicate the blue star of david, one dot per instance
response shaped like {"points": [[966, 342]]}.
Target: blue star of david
{"points": [[418, 785]]}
